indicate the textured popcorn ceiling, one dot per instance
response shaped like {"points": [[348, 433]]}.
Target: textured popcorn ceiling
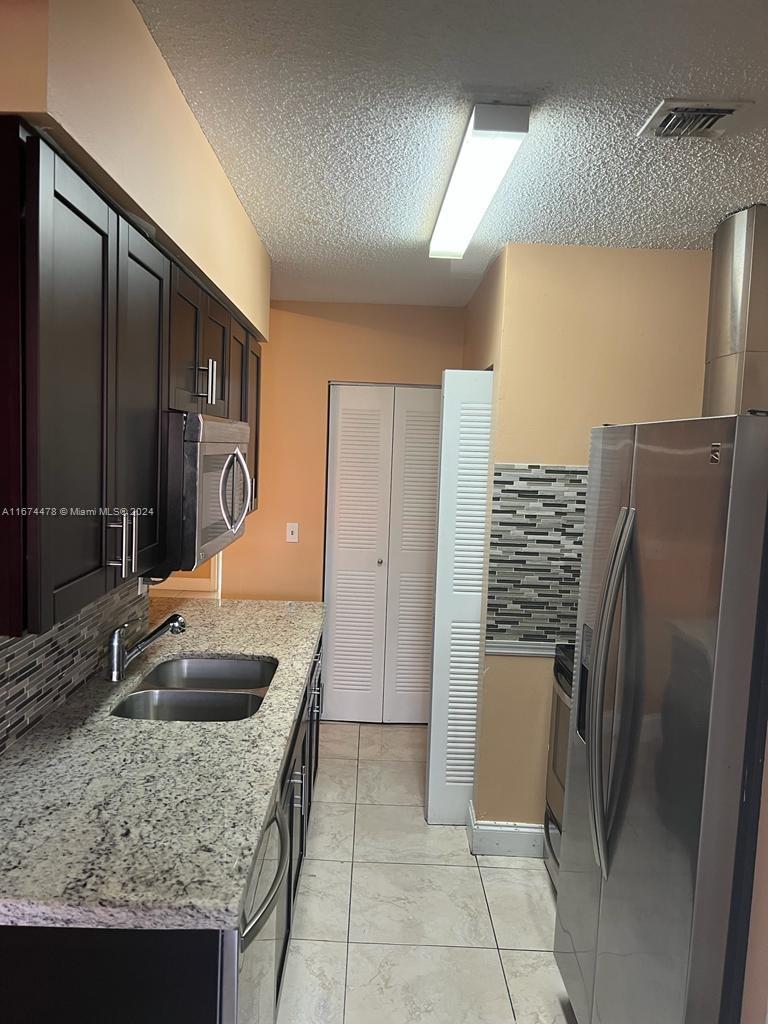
{"points": [[338, 123]]}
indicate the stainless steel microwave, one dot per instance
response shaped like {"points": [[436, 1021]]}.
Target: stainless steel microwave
{"points": [[209, 485]]}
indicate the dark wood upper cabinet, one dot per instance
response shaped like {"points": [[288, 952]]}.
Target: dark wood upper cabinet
{"points": [[185, 375], [238, 356], [12, 172], [216, 330], [139, 422], [244, 394], [104, 338], [199, 349], [70, 343], [253, 412]]}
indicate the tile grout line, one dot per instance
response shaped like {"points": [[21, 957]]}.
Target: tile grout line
{"points": [[419, 945], [351, 877], [496, 939]]}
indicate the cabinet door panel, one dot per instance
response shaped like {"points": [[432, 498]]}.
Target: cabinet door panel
{"points": [[71, 331], [186, 380], [237, 381], [139, 422], [252, 413], [216, 329]]}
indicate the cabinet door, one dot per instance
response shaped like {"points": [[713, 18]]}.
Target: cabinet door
{"points": [[138, 422], [465, 448], [357, 542], [186, 378], [71, 318], [216, 331], [238, 356], [11, 361], [252, 413], [412, 555]]}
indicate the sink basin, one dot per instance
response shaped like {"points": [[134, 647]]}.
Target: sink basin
{"points": [[179, 705], [212, 674]]}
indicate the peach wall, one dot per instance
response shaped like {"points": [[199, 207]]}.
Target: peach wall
{"points": [[588, 336], [310, 345], [109, 99], [23, 55], [484, 322]]}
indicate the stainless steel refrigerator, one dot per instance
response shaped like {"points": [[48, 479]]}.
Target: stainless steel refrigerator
{"points": [[667, 734]]}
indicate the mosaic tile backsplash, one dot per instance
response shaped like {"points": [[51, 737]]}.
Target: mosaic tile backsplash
{"points": [[39, 672], [537, 522]]}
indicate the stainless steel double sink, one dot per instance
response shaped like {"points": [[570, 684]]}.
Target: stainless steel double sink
{"points": [[200, 690]]}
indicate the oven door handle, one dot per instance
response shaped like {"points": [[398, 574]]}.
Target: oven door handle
{"points": [[222, 483]]}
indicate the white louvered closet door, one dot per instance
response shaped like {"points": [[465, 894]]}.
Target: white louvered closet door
{"points": [[412, 551], [462, 511], [357, 541]]}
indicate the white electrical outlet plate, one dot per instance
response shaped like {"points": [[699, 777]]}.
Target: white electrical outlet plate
{"points": [[292, 533]]}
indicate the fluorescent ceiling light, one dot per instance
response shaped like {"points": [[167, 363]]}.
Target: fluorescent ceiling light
{"points": [[492, 139]]}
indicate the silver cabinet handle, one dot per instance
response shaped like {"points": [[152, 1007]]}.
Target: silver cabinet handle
{"points": [[135, 541], [246, 490], [210, 393], [297, 779], [222, 483], [600, 671], [300, 779], [249, 928], [213, 380], [122, 562]]}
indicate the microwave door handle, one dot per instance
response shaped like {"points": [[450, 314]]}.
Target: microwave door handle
{"points": [[611, 601], [222, 484], [246, 492]]}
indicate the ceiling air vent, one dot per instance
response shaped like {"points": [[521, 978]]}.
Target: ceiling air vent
{"points": [[692, 119]]}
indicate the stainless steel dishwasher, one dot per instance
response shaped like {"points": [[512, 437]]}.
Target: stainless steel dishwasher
{"points": [[252, 957]]}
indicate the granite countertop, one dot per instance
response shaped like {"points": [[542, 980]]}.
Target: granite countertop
{"points": [[111, 822]]}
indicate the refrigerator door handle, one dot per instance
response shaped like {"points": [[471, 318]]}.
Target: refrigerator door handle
{"points": [[612, 592], [589, 732]]}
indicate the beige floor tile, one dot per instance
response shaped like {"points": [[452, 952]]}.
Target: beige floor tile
{"points": [[400, 835], [391, 782], [331, 830], [322, 904], [522, 907], [425, 985], [537, 990], [313, 983], [419, 905], [339, 739], [393, 742], [336, 781], [512, 863]]}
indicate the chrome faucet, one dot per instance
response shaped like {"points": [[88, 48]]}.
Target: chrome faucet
{"points": [[120, 658]]}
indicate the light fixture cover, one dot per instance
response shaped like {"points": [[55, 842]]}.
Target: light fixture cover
{"points": [[492, 139]]}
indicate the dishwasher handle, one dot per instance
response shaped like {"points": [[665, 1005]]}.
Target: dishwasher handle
{"points": [[249, 928]]}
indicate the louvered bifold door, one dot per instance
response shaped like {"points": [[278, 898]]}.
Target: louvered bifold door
{"points": [[412, 551], [357, 540], [462, 510]]}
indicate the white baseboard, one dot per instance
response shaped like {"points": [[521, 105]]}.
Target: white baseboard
{"points": [[504, 838]]}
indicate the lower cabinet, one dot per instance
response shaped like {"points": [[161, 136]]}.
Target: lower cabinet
{"points": [[126, 976]]}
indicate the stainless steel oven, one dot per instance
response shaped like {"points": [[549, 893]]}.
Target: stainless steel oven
{"points": [[215, 485], [557, 760]]}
